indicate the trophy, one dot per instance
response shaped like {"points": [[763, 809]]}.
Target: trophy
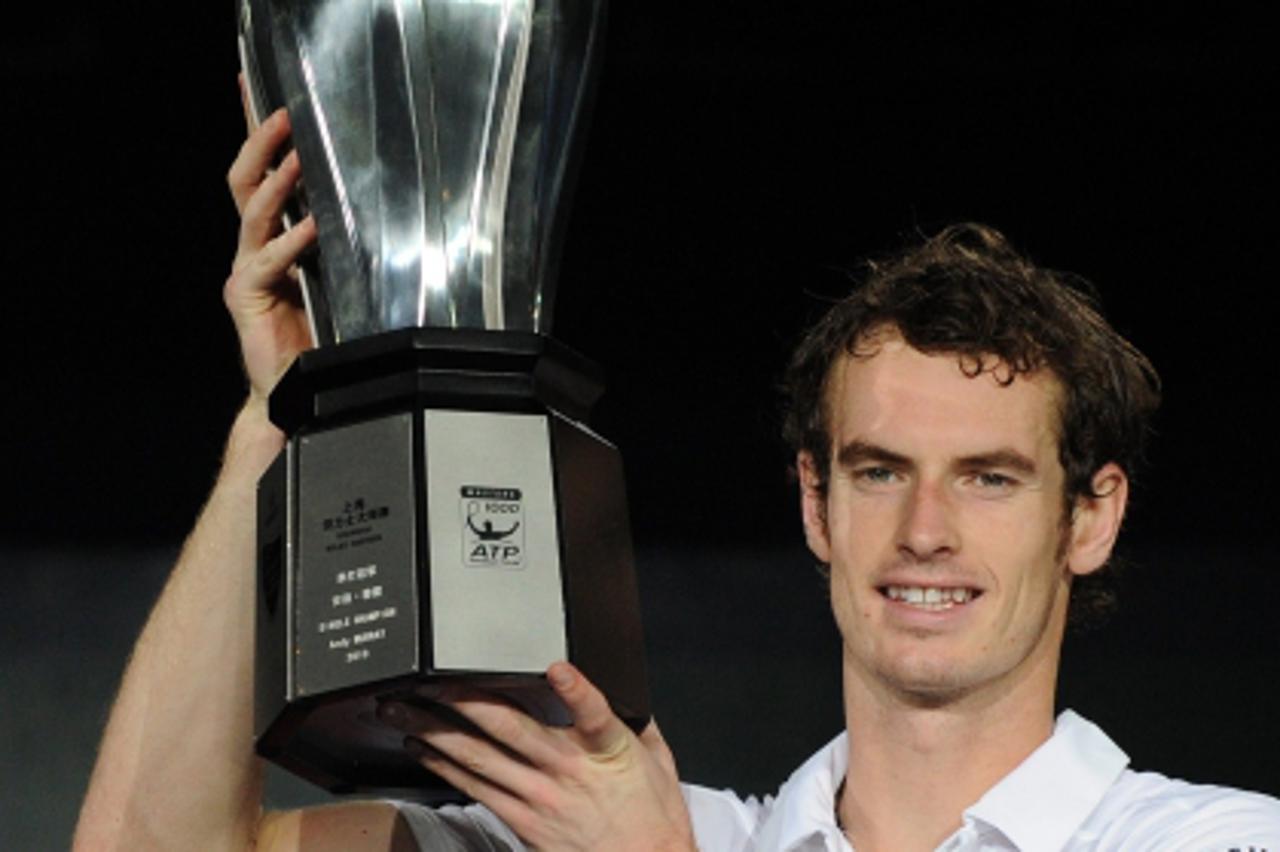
{"points": [[441, 511]]}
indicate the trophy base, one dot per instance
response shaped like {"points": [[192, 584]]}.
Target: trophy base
{"points": [[437, 523], [337, 742]]}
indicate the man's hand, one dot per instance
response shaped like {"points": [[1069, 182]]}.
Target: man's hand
{"points": [[595, 785], [262, 294]]}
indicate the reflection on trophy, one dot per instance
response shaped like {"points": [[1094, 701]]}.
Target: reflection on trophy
{"points": [[440, 511]]}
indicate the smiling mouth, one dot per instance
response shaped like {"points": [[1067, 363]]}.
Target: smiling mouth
{"points": [[935, 598]]}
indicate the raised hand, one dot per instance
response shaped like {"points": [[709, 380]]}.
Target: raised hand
{"points": [[262, 294], [594, 785]]}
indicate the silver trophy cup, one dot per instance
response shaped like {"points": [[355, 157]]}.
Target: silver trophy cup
{"points": [[440, 511]]}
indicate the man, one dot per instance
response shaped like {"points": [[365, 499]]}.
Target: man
{"points": [[966, 426]]}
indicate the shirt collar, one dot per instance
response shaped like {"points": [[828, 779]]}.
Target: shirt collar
{"points": [[804, 814], [1047, 797], [1039, 805]]}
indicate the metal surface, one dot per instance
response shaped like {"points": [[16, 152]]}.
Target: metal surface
{"points": [[356, 593], [434, 137], [496, 585]]}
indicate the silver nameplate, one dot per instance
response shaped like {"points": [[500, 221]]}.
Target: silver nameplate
{"points": [[496, 594]]}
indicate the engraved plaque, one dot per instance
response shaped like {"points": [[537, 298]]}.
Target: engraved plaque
{"points": [[355, 617]]}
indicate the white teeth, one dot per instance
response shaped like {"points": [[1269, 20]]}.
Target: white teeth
{"points": [[930, 597]]}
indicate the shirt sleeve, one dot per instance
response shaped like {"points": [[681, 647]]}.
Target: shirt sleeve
{"points": [[721, 823], [1246, 822], [454, 828], [1217, 818]]}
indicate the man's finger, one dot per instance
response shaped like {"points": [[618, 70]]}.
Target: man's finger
{"points": [[260, 272], [250, 124], [469, 750], [507, 724], [602, 733], [508, 807], [260, 218], [256, 155], [272, 260]]}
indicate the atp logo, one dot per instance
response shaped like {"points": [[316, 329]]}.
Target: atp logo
{"points": [[492, 527]]}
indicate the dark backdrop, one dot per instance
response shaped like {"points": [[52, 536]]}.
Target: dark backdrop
{"points": [[741, 156]]}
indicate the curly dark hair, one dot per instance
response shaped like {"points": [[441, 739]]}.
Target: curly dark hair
{"points": [[967, 292]]}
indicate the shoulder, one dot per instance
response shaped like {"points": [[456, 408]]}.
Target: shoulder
{"points": [[1146, 810]]}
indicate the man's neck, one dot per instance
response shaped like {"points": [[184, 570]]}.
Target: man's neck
{"points": [[914, 769]]}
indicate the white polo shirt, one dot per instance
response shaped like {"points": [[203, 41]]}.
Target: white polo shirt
{"points": [[1074, 793]]}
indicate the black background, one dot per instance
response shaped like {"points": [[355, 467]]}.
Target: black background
{"points": [[740, 157], [736, 163]]}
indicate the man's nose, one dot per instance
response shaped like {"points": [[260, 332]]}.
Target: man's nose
{"points": [[927, 529]]}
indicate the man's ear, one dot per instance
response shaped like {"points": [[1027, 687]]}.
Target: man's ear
{"points": [[1095, 521], [813, 507]]}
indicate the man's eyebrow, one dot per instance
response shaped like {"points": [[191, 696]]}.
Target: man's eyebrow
{"points": [[1004, 458], [859, 452]]}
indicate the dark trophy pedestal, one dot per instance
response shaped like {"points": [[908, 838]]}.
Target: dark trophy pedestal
{"points": [[439, 512]]}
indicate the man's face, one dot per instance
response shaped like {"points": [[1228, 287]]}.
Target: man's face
{"points": [[944, 522]]}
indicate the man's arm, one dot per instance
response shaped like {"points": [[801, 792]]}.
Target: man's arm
{"points": [[176, 766]]}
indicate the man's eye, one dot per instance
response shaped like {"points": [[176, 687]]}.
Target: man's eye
{"points": [[876, 475], [987, 479]]}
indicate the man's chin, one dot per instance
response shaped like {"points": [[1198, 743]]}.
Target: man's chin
{"points": [[929, 684], [932, 698]]}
